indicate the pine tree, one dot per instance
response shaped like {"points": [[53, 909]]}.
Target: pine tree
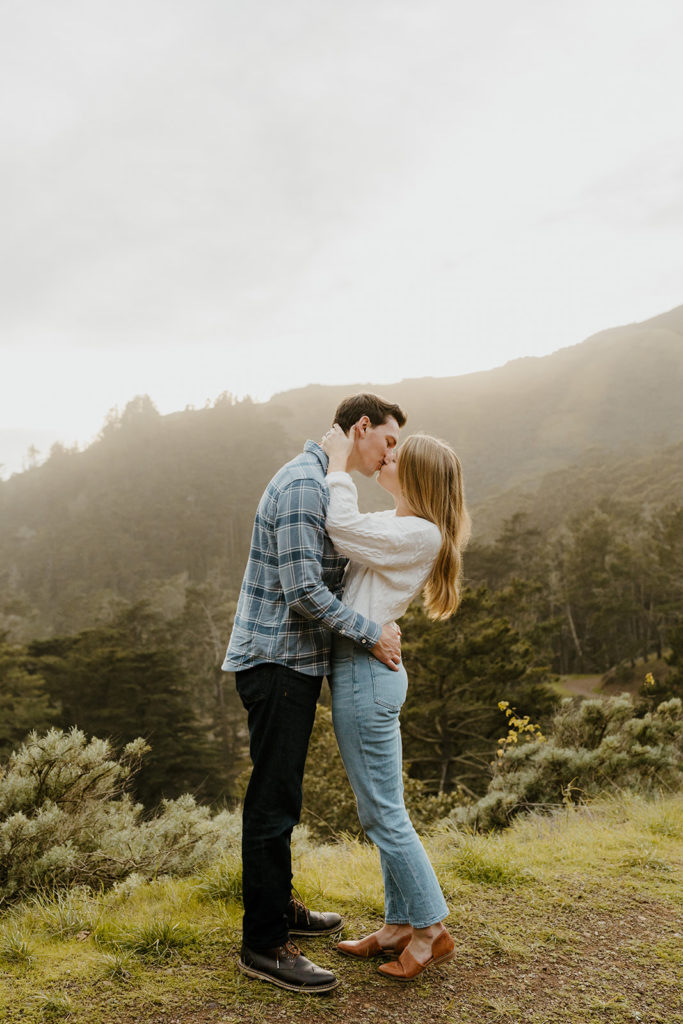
{"points": [[123, 681], [201, 633], [24, 701], [458, 671]]}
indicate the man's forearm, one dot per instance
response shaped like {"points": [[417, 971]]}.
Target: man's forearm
{"points": [[319, 603]]}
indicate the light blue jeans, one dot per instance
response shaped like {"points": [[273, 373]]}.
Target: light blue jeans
{"points": [[366, 700]]}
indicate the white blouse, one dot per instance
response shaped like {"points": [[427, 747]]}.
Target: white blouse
{"points": [[390, 556]]}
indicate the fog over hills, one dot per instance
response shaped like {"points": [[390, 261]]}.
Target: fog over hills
{"points": [[618, 390], [644, 481], [156, 496]]}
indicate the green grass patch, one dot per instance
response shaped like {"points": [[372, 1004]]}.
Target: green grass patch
{"points": [[482, 860], [222, 881], [158, 939], [65, 913], [15, 947], [54, 1006], [561, 919]]}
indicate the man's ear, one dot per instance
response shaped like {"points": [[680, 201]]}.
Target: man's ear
{"points": [[362, 425]]}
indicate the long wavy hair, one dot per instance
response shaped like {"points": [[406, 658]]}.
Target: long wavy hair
{"points": [[430, 476]]}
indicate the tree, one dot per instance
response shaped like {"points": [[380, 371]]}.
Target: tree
{"points": [[201, 634], [24, 701], [610, 584], [30, 460], [675, 660], [125, 680], [654, 691], [458, 671], [598, 588]]}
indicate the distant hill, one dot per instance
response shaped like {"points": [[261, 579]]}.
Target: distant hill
{"points": [[155, 495], [652, 480], [620, 389]]}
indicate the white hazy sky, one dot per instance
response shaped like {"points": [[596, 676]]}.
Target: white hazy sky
{"points": [[209, 195]]}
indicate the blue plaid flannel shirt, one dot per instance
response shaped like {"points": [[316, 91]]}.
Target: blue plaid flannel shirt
{"points": [[290, 593]]}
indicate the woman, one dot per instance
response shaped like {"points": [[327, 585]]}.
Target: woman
{"points": [[393, 556]]}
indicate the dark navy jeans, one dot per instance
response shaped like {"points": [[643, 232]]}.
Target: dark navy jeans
{"points": [[281, 707]]}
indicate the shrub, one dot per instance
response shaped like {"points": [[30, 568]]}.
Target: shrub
{"points": [[592, 746], [66, 819]]}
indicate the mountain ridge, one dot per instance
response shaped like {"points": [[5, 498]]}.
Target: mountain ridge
{"points": [[620, 386], [155, 496]]}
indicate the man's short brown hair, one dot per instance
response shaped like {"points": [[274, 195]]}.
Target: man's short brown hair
{"points": [[377, 409]]}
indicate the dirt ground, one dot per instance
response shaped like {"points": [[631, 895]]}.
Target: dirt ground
{"points": [[603, 973]]}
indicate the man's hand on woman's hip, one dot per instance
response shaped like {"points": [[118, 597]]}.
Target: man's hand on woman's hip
{"points": [[388, 647]]}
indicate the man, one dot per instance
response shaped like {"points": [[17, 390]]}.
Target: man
{"points": [[280, 650]]}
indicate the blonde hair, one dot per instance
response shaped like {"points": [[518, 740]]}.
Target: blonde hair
{"points": [[430, 476]]}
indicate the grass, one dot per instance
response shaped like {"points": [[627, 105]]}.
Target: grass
{"points": [[14, 946], [222, 881], [64, 914], [54, 1006], [157, 939], [578, 685], [573, 918]]}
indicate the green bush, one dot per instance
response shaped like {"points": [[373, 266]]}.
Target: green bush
{"points": [[66, 819], [592, 746]]}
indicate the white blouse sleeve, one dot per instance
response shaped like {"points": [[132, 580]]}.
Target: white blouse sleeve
{"points": [[374, 539]]}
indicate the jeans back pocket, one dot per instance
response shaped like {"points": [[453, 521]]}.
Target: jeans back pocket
{"points": [[389, 687]]}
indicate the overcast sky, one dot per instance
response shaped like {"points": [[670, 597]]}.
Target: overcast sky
{"points": [[214, 195]]}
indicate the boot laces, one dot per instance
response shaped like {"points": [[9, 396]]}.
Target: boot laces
{"points": [[289, 949], [299, 905]]}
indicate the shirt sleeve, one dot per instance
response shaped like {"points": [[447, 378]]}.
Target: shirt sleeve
{"points": [[300, 536], [374, 539]]}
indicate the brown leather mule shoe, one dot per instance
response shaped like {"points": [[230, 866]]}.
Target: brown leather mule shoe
{"points": [[406, 968], [365, 948]]}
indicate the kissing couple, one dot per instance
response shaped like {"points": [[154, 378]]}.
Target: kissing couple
{"points": [[322, 590]]}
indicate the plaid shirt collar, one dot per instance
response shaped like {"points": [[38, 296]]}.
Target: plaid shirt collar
{"points": [[313, 448]]}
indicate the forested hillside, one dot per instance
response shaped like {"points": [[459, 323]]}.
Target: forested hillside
{"points": [[156, 496], [153, 497], [642, 481], [120, 565]]}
